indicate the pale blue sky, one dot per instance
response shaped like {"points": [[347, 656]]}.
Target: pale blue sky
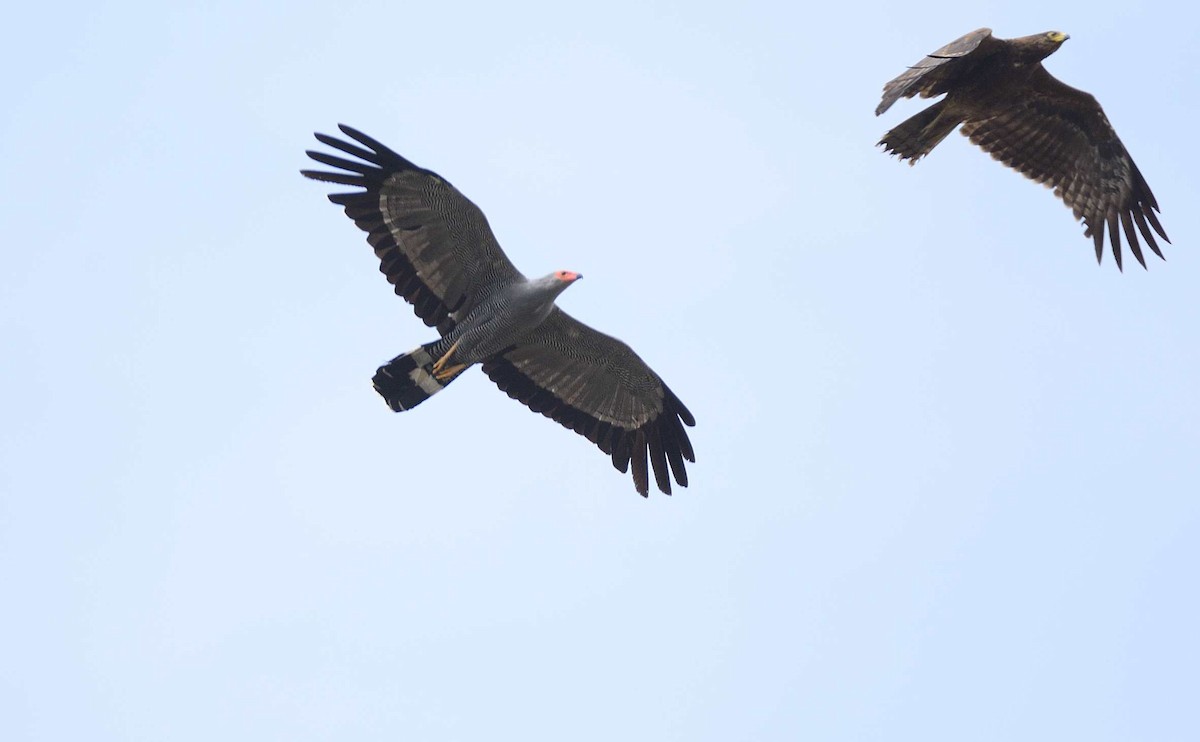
{"points": [[946, 484]]}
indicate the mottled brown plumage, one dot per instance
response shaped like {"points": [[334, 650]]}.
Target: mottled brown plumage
{"points": [[1023, 116]]}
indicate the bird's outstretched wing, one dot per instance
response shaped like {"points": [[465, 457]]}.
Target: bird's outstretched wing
{"points": [[1059, 136], [434, 245], [597, 386], [934, 73]]}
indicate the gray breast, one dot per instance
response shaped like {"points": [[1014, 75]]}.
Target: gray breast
{"points": [[502, 319]]}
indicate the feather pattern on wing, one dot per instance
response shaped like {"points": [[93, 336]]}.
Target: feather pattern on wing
{"points": [[597, 386], [434, 245], [1059, 136], [934, 73]]}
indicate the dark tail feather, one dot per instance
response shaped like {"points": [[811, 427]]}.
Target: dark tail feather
{"points": [[917, 136], [407, 380]]}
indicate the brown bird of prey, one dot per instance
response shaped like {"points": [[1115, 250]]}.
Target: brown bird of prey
{"points": [[1014, 109], [437, 250]]}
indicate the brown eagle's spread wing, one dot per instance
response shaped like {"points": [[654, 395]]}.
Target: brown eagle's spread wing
{"points": [[597, 386], [934, 73], [434, 245], [1059, 136]]}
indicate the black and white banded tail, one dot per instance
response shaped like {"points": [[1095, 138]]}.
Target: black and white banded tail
{"points": [[407, 380]]}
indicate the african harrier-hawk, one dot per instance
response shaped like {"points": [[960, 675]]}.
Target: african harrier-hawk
{"points": [[437, 250]]}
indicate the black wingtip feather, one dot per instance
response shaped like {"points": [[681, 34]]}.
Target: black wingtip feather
{"points": [[1157, 227], [339, 178], [1147, 234], [659, 445], [374, 144], [681, 437], [346, 147], [674, 403], [341, 162], [621, 452], [357, 199], [381, 153], [677, 466], [383, 157], [658, 460], [637, 459], [1131, 237], [1097, 234], [1115, 236]]}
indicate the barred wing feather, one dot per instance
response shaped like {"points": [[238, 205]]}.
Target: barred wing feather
{"points": [[597, 386], [933, 73], [1059, 136], [434, 245]]}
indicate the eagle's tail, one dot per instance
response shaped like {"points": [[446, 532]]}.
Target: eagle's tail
{"points": [[917, 136], [408, 380]]}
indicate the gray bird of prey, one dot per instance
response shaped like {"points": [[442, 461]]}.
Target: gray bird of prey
{"points": [[437, 250], [1023, 116]]}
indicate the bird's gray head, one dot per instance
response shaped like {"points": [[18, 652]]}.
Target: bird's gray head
{"points": [[558, 281]]}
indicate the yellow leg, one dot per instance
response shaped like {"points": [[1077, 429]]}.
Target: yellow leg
{"points": [[449, 372], [439, 363]]}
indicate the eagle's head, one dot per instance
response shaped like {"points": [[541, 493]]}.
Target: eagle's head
{"points": [[1030, 49]]}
